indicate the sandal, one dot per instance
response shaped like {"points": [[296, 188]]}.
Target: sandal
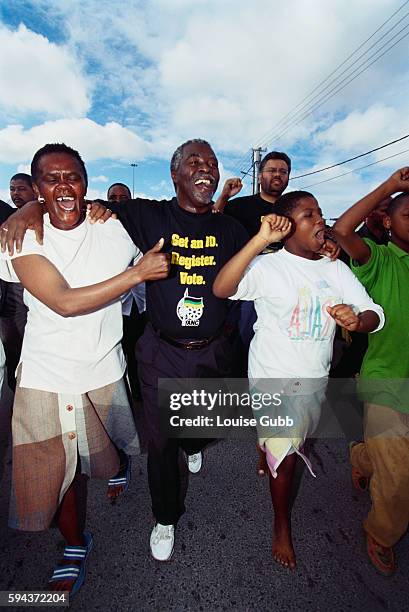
{"points": [[122, 479], [381, 557], [74, 572], [360, 482]]}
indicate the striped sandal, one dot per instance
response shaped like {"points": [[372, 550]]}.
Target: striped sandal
{"points": [[73, 572], [122, 479]]}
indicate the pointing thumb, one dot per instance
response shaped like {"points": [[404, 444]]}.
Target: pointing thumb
{"points": [[158, 246]]}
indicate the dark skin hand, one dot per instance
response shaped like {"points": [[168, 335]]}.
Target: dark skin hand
{"points": [[31, 217]]}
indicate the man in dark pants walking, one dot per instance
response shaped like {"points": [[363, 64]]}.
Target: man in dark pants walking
{"points": [[184, 338]]}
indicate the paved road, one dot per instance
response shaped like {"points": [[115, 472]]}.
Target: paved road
{"points": [[222, 557]]}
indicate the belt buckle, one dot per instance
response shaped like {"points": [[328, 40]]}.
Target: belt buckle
{"points": [[195, 345]]}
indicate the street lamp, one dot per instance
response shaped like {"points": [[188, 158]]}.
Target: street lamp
{"points": [[133, 179]]}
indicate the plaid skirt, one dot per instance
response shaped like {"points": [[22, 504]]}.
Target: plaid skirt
{"points": [[51, 432]]}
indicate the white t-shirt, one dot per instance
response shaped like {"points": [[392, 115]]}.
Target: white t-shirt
{"points": [[80, 353], [293, 332]]}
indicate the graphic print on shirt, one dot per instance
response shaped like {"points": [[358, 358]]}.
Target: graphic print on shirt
{"points": [[309, 319], [189, 262], [189, 309]]}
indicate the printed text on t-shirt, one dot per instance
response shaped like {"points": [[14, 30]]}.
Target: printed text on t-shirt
{"points": [[192, 261]]}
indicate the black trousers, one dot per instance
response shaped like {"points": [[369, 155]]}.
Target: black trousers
{"points": [[133, 326], [158, 359]]}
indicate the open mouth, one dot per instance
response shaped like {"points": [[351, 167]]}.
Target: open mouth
{"points": [[204, 183], [320, 236], [67, 203]]}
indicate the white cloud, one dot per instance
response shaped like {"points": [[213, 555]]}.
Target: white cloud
{"points": [[363, 130], [96, 194], [224, 71], [5, 196], [39, 76], [26, 168], [99, 179], [92, 140], [227, 72]]}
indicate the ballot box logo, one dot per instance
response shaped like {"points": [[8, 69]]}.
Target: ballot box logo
{"points": [[189, 310]]}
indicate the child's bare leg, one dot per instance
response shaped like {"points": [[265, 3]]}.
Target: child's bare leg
{"points": [[262, 466], [280, 489], [68, 523]]}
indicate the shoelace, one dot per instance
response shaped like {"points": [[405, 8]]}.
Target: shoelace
{"points": [[162, 533], [194, 458]]}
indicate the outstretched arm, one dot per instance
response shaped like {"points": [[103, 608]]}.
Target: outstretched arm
{"points": [[344, 228], [231, 187], [42, 279], [30, 216], [273, 229]]}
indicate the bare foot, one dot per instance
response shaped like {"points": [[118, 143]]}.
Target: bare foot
{"points": [[113, 492], [120, 482], [283, 551], [63, 585], [67, 583]]}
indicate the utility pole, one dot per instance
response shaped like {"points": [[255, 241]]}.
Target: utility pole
{"points": [[133, 178], [256, 165]]}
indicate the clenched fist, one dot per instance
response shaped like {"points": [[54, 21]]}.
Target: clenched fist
{"points": [[274, 228], [344, 316]]}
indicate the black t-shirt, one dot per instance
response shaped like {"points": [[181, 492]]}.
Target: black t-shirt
{"points": [[249, 210], [183, 305], [5, 211]]}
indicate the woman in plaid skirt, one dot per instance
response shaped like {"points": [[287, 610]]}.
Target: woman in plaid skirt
{"points": [[71, 413]]}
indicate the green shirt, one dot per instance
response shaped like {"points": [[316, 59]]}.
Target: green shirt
{"points": [[386, 278]]}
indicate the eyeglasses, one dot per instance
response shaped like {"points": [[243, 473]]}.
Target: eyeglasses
{"points": [[279, 171]]}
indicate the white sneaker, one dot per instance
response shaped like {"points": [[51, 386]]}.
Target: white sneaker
{"points": [[194, 462], [162, 541]]}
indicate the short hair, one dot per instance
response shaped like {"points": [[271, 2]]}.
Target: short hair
{"points": [[177, 155], [275, 155], [22, 176], [56, 148], [395, 202], [120, 185], [289, 202]]}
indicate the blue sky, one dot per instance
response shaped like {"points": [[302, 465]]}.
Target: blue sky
{"points": [[128, 81]]}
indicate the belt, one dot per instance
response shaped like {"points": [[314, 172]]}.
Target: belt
{"points": [[189, 345]]}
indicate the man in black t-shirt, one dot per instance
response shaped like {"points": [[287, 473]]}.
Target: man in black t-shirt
{"points": [[13, 313], [185, 336], [274, 173], [5, 211]]}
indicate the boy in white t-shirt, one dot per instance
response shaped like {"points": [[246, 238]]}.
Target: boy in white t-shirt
{"points": [[299, 298]]}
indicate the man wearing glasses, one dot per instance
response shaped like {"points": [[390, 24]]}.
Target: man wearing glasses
{"points": [[273, 178]]}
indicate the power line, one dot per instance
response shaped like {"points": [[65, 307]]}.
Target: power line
{"points": [[330, 95], [302, 104], [354, 170], [342, 87], [293, 178], [268, 135]]}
